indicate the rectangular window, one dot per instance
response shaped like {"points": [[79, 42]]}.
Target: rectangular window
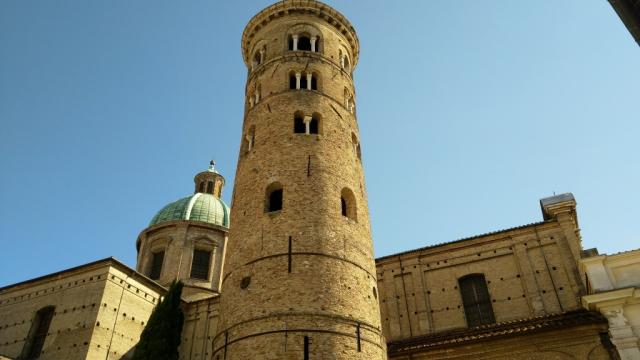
{"points": [[200, 264], [156, 265], [38, 333], [476, 300]]}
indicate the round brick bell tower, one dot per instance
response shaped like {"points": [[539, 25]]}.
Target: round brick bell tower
{"points": [[299, 280]]}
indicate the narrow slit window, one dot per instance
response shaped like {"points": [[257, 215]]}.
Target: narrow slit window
{"points": [[156, 265], [201, 187], [314, 82], [210, 187], [200, 264], [476, 300]]}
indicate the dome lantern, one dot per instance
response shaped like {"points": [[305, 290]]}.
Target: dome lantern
{"points": [[209, 181]]}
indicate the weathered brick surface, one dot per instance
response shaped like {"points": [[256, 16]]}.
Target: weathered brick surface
{"points": [[530, 271], [100, 311], [330, 287]]}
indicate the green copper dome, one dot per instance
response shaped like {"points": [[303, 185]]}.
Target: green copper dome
{"points": [[197, 207]]}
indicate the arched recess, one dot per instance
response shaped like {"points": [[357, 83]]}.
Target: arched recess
{"points": [[304, 37], [258, 54], [38, 333], [344, 59], [274, 197], [249, 140], [356, 146], [348, 206]]}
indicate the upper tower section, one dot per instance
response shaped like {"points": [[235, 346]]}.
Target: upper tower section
{"points": [[300, 45], [258, 44]]}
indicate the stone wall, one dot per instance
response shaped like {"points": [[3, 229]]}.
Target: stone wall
{"points": [[529, 271], [100, 311], [200, 324]]}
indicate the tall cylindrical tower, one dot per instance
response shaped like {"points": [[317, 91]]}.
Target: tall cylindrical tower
{"points": [[299, 280]]}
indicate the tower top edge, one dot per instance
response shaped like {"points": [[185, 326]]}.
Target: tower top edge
{"points": [[284, 7]]}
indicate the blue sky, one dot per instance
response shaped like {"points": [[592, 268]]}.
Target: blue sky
{"points": [[469, 111]]}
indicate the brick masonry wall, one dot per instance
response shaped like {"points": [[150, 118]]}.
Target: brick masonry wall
{"points": [[98, 309], [529, 272], [329, 288]]}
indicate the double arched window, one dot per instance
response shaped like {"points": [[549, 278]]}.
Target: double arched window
{"points": [[258, 57], [476, 300], [304, 124], [304, 42], [303, 80]]}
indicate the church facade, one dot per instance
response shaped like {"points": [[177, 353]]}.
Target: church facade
{"points": [[293, 276]]}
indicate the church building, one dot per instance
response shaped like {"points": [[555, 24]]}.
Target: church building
{"points": [[290, 273]]}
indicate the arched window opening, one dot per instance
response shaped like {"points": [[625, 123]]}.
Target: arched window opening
{"points": [[292, 81], [345, 63], [304, 43], [314, 124], [314, 81], [38, 333], [156, 265], [274, 197], [476, 300], [200, 264], [291, 42], [201, 187], [348, 204], [257, 93], [210, 187], [298, 123], [303, 81]]}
